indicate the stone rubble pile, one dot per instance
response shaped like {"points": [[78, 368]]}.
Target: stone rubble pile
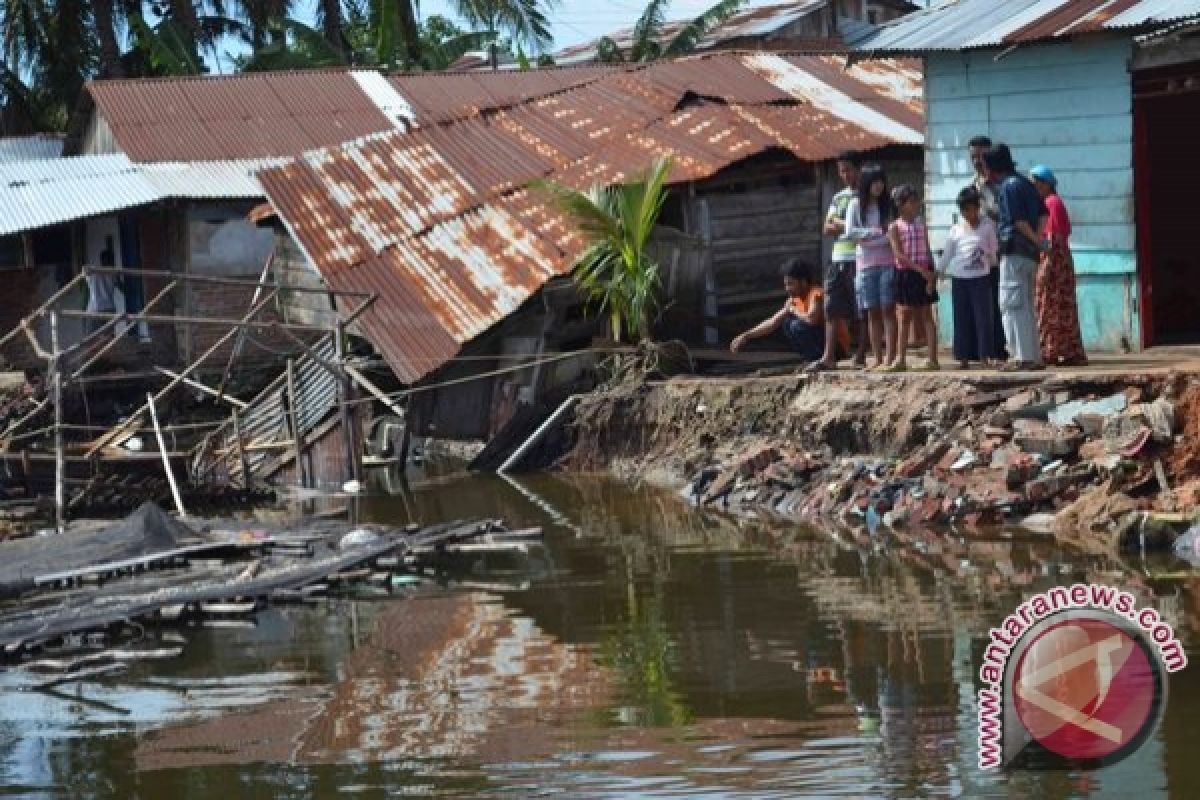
{"points": [[1051, 457]]}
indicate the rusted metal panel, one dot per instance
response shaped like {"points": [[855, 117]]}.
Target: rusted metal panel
{"points": [[438, 221], [438, 97], [252, 115]]}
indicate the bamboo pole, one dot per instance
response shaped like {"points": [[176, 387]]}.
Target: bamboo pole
{"points": [[60, 466], [241, 447], [166, 459], [373, 390], [236, 324], [41, 310], [294, 413], [241, 340], [117, 430], [135, 318], [195, 384], [217, 280], [21, 422]]}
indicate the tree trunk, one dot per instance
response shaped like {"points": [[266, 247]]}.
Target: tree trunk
{"points": [[184, 14], [331, 26], [110, 51], [410, 31]]}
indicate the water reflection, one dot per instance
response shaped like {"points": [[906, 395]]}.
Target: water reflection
{"points": [[658, 651]]}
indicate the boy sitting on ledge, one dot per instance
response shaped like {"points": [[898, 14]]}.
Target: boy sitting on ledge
{"points": [[802, 317]]}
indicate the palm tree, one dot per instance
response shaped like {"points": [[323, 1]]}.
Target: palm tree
{"points": [[616, 271], [104, 17], [524, 21], [649, 42], [49, 51], [329, 17]]}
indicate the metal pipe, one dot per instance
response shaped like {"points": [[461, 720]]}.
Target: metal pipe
{"points": [[537, 435]]}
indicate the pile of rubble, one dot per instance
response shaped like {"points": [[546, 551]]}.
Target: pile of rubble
{"points": [[1080, 461]]}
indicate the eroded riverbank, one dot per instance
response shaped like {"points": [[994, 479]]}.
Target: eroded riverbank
{"points": [[1104, 461]]}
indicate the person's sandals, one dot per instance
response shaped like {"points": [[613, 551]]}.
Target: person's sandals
{"points": [[895, 368], [819, 366]]}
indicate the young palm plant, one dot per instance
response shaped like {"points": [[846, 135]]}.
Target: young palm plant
{"points": [[616, 272]]}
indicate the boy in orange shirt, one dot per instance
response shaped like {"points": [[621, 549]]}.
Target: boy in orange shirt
{"points": [[802, 317]]}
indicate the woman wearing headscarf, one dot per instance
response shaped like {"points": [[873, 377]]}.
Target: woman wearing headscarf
{"points": [[1054, 291]]}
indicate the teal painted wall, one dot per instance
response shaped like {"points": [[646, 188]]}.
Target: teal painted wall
{"points": [[1066, 105]]}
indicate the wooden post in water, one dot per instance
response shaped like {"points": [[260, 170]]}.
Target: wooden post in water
{"points": [[241, 446], [166, 457], [349, 435], [294, 413], [60, 465]]}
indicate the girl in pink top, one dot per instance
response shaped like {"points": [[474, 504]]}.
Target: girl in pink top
{"points": [[916, 284], [1055, 305]]}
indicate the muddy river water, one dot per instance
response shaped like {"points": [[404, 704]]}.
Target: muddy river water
{"points": [[649, 651]]}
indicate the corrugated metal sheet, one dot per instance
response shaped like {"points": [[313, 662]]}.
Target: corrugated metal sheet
{"points": [[251, 115], [273, 114], [441, 96], [30, 148], [37, 194], [969, 24], [439, 224]]}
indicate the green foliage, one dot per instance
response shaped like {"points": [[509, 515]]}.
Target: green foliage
{"points": [[616, 272], [293, 46], [649, 40], [50, 48], [686, 40]]}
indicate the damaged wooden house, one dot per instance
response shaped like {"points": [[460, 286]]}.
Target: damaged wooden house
{"points": [[145, 229], [477, 314]]}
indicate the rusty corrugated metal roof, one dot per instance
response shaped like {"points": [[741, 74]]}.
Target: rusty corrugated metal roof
{"points": [[441, 96], [971, 24], [251, 115], [271, 114], [437, 222]]}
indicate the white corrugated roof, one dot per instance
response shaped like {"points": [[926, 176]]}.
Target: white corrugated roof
{"points": [[970, 24], [37, 194], [30, 148]]}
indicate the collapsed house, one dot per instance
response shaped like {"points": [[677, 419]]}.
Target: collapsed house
{"points": [[1101, 92], [440, 224], [151, 207]]}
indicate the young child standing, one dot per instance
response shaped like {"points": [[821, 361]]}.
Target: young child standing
{"points": [[867, 219], [916, 282], [970, 256]]}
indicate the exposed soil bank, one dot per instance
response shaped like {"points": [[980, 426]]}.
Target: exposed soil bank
{"points": [[970, 451]]}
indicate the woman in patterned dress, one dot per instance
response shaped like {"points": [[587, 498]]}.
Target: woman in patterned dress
{"points": [[1056, 307]]}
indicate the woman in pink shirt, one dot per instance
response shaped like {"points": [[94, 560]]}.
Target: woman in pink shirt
{"points": [[1054, 294]]}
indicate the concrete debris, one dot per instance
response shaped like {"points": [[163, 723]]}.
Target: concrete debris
{"points": [[1077, 459]]}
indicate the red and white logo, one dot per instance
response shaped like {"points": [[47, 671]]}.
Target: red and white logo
{"points": [[1086, 689]]}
